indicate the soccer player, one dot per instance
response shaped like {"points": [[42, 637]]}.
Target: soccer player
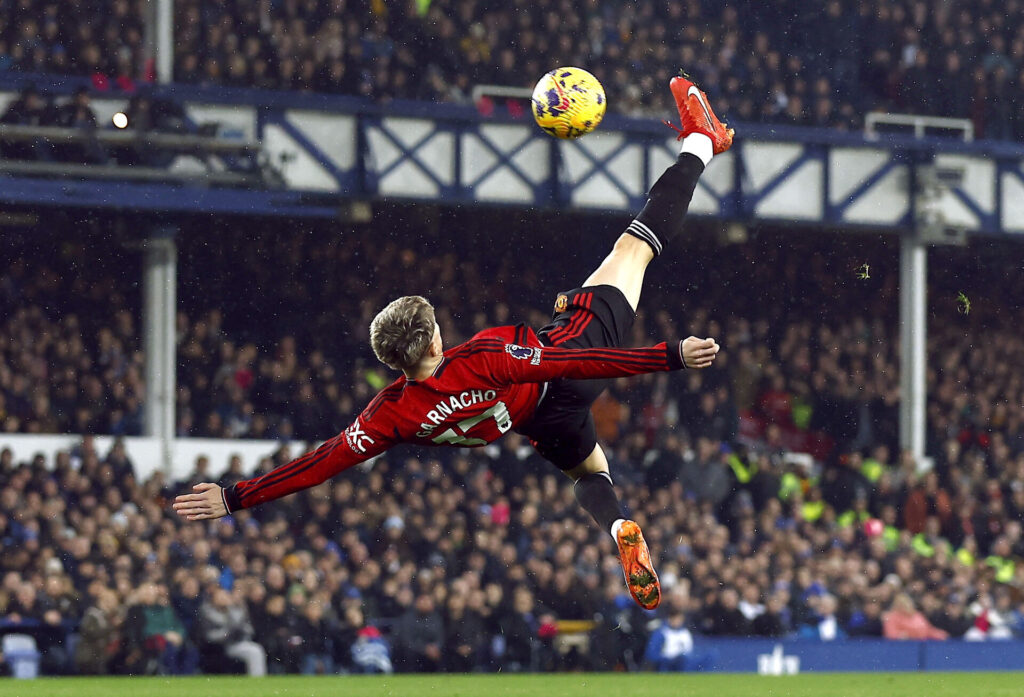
{"points": [[540, 384]]}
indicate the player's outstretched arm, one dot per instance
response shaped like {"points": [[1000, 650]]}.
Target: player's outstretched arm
{"points": [[357, 443], [521, 364]]}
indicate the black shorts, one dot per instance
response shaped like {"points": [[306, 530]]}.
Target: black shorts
{"points": [[562, 429]]}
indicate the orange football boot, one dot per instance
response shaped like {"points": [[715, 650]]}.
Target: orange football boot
{"points": [[696, 116], [641, 579]]}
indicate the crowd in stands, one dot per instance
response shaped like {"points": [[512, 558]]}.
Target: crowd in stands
{"points": [[777, 63], [468, 560], [102, 40], [468, 564], [256, 362]]}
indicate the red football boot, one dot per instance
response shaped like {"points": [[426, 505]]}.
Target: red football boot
{"points": [[696, 116], [637, 567]]}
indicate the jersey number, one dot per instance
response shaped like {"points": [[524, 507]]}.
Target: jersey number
{"points": [[501, 417]]}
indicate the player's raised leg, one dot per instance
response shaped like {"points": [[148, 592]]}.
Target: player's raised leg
{"points": [[661, 219], [599, 314], [596, 494]]}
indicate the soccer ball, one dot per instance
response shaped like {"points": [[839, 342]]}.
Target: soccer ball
{"points": [[568, 102]]}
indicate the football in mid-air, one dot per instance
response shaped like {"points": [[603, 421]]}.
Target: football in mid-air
{"points": [[568, 102]]}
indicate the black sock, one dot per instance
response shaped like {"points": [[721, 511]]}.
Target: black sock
{"points": [[662, 217], [597, 495]]}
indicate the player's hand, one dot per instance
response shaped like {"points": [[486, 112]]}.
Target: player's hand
{"points": [[699, 353], [206, 503]]}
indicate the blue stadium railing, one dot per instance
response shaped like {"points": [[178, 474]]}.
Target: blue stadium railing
{"points": [[332, 149]]}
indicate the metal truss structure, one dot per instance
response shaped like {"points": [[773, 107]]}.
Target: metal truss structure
{"points": [[332, 149]]}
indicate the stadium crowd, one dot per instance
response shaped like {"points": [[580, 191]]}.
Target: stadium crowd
{"points": [[471, 560], [808, 376], [357, 576], [760, 62]]}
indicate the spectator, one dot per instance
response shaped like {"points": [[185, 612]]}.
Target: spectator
{"points": [[773, 622], [620, 637], [726, 619], [25, 607], [953, 619], [200, 474], [464, 636], [824, 625], [186, 602], [926, 498], [317, 649], [278, 628], [903, 621], [670, 645], [705, 476], [233, 474], [99, 635], [35, 613], [370, 652], [520, 628], [225, 623], [420, 637], [867, 622], [77, 113], [154, 640], [31, 108], [992, 619]]}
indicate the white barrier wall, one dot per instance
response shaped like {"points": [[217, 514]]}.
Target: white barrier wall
{"points": [[145, 452]]}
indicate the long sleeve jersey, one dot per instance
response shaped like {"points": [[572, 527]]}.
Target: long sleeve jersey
{"points": [[481, 390]]}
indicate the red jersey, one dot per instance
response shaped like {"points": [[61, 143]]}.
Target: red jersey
{"points": [[481, 390]]}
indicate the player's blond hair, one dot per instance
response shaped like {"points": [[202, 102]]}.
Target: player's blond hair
{"points": [[402, 331]]}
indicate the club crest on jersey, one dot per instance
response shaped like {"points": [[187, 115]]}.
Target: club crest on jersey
{"points": [[357, 438], [524, 352], [561, 303]]}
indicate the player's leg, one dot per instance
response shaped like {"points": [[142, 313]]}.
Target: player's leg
{"points": [[564, 434], [624, 268], [661, 219], [600, 314], [594, 489], [596, 494]]}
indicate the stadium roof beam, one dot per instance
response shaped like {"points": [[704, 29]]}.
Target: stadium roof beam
{"points": [[160, 279]]}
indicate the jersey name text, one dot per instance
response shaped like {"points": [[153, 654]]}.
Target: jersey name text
{"points": [[446, 407]]}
